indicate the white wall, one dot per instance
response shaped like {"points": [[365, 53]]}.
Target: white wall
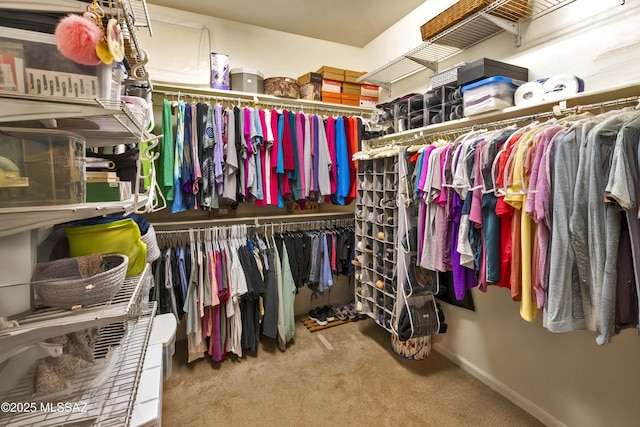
{"points": [[563, 379], [274, 53], [596, 40]]}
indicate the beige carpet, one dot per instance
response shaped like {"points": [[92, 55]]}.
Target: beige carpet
{"points": [[343, 376]]}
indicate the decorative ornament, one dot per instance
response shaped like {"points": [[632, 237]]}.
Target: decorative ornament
{"points": [[77, 38], [115, 40]]}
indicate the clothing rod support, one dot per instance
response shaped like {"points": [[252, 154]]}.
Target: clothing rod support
{"points": [[240, 102]]}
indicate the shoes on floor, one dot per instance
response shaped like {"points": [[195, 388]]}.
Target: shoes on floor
{"points": [[329, 313], [318, 316]]}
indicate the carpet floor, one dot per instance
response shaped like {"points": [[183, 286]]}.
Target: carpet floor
{"points": [[342, 376]]}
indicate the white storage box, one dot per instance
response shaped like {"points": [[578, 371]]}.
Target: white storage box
{"points": [[493, 93], [164, 332]]}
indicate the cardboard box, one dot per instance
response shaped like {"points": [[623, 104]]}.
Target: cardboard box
{"points": [[331, 97], [310, 78], [368, 104], [331, 86], [331, 73], [350, 97], [352, 88], [352, 76], [368, 101], [355, 103], [369, 90]]}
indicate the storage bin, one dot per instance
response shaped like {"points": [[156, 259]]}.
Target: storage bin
{"points": [[41, 167], [494, 93], [164, 332], [33, 65], [247, 80], [485, 67]]}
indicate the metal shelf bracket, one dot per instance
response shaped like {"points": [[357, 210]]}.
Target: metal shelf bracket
{"points": [[432, 65], [505, 24]]}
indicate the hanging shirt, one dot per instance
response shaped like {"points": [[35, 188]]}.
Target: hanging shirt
{"points": [[343, 163], [516, 197], [257, 140], [218, 150], [323, 160], [165, 162], [330, 127], [307, 155], [230, 169], [179, 204], [276, 151]]}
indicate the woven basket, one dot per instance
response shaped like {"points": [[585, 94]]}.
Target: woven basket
{"points": [[415, 348], [461, 10], [282, 86], [149, 239], [59, 283]]}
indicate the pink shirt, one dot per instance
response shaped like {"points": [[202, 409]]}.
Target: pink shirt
{"points": [[537, 207]]}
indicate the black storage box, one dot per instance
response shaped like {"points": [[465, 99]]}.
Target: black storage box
{"points": [[485, 67]]}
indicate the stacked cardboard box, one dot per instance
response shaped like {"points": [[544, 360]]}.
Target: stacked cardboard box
{"points": [[368, 95], [311, 86], [332, 79], [331, 73], [351, 93]]}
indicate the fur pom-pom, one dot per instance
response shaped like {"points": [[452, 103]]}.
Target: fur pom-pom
{"points": [[77, 38]]}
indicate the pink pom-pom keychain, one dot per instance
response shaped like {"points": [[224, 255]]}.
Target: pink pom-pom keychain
{"points": [[82, 38], [77, 38]]}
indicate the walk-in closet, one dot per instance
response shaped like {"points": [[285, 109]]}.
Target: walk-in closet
{"points": [[287, 213]]}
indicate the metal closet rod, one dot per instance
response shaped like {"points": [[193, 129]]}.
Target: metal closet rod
{"points": [[557, 111], [307, 225], [240, 102], [256, 221]]}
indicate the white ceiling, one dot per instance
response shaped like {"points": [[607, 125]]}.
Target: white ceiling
{"points": [[352, 22]]}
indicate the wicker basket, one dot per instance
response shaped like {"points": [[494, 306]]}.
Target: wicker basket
{"points": [[461, 10], [418, 348], [282, 86], [60, 284]]}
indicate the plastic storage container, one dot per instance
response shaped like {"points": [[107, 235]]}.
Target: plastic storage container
{"points": [[41, 167], [164, 332], [247, 80], [494, 93]]}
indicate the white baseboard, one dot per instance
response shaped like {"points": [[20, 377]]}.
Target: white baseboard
{"points": [[500, 387]]}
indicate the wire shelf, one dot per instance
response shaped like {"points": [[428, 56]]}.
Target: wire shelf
{"points": [[475, 29], [43, 323], [102, 394]]}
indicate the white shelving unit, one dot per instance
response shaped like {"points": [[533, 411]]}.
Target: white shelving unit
{"points": [[106, 390], [100, 123], [472, 30], [43, 322]]}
